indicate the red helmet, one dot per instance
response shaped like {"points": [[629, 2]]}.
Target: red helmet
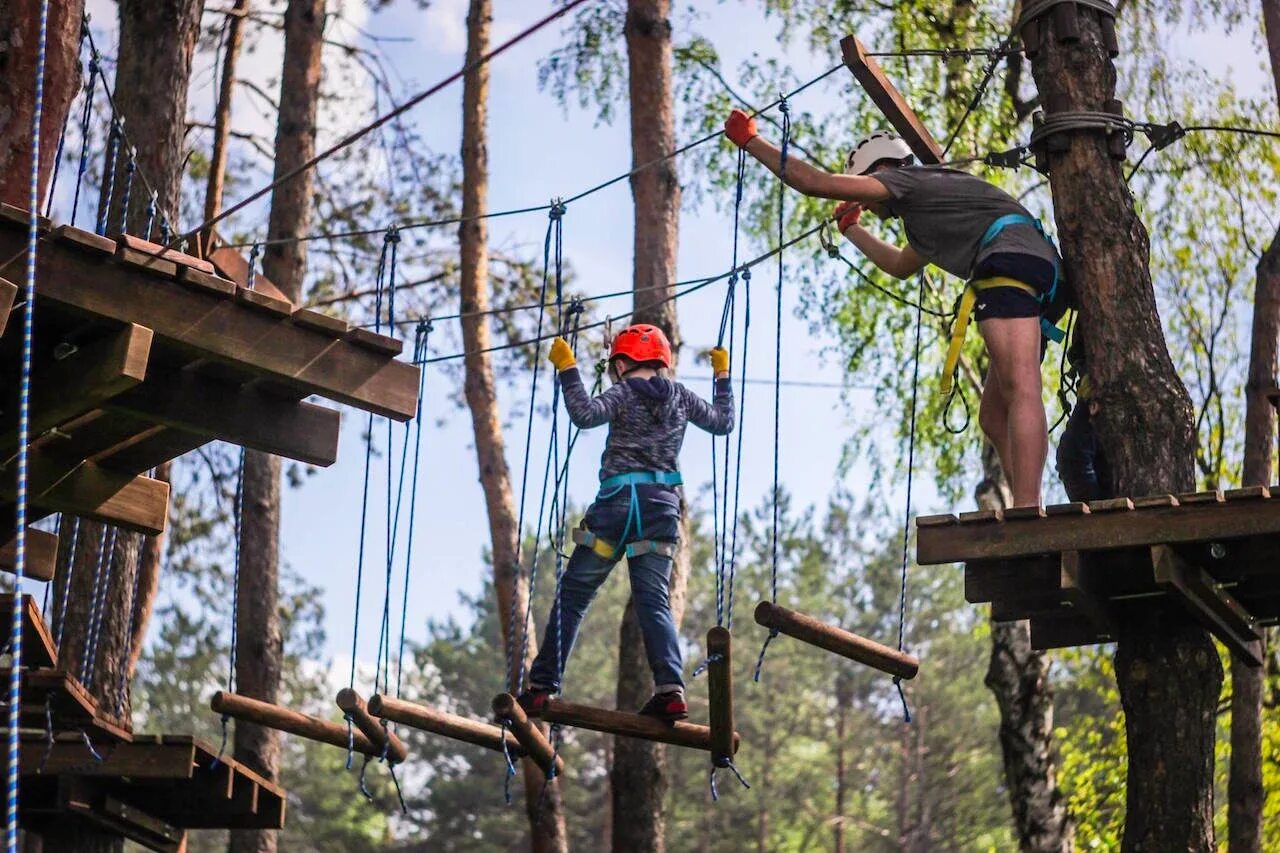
{"points": [[640, 343]]}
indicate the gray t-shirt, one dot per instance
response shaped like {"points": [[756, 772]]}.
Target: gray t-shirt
{"points": [[946, 212]]}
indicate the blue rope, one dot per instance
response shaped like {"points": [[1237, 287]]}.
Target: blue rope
{"points": [[101, 582], [252, 275], [62, 135], [109, 170], [420, 348], [66, 582], [151, 217], [382, 661], [777, 375], [237, 518], [90, 88], [24, 431], [130, 166]]}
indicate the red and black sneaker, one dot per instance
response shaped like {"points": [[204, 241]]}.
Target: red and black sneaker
{"points": [[667, 707], [535, 700]]}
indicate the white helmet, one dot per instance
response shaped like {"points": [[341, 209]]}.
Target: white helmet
{"points": [[881, 145]]}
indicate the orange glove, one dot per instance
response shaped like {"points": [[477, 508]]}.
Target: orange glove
{"points": [[740, 128], [847, 215]]}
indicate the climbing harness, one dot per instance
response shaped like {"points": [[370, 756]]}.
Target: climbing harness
{"points": [[967, 299]]}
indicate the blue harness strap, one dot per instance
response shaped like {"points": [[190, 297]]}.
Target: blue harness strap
{"points": [[611, 486], [1047, 329]]}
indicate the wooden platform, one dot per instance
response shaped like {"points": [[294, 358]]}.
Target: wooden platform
{"points": [[150, 790], [142, 356], [1072, 569]]}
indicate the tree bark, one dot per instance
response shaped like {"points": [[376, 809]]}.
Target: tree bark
{"points": [[1245, 792], [1018, 676], [150, 564], [545, 813], [1271, 26], [19, 35], [260, 643], [1166, 666], [157, 40], [222, 115], [638, 778]]}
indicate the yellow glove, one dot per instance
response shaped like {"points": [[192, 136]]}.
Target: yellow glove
{"points": [[561, 355], [719, 360]]}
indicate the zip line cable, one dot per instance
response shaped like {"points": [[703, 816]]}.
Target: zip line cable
{"points": [[364, 131]]}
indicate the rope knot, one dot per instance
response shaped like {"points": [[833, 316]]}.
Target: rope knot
{"points": [[392, 235], [746, 275], [783, 106], [557, 209], [575, 306]]}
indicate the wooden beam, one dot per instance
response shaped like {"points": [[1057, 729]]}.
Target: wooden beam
{"points": [[720, 694], [1080, 589], [1100, 530], [292, 722], [449, 725], [8, 295], [837, 640], [126, 500], [235, 266], [38, 650], [354, 707], [531, 738], [889, 100], [1215, 608], [630, 725], [209, 325], [187, 401], [63, 389], [85, 799], [142, 760], [42, 554]]}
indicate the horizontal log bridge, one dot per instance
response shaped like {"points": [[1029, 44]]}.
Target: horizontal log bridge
{"points": [[453, 726], [838, 641], [684, 734], [292, 722], [531, 738], [353, 705]]}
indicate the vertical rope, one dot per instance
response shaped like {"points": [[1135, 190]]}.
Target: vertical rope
{"points": [[66, 581], [90, 89], [151, 217], [906, 521], [102, 585], [785, 109], [24, 430], [252, 275], [109, 172], [420, 349], [62, 135], [130, 166]]}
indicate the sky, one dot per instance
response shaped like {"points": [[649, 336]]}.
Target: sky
{"points": [[537, 151]]}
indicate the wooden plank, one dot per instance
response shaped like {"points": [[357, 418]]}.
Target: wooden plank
{"points": [[982, 516], [170, 837], [1080, 585], [355, 709], [987, 580], [1100, 530], [720, 694], [86, 241], [1214, 496], [38, 650], [1215, 608], [84, 799], [72, 707], [264, 302], [146, 262], [209, 326], [1248, 493], [935, 520], [152, 447], [292, 722], [375, 342], [449, 725], [65, 388], [21, 217], [187, 401], [207, 281], [889, 100], [1110, 505], [42, 554], [233, 265], [1022, 513], [181, 259], [126, 500], [532, 740], [1073, 508], [1154, 501], [836, 640], [316, 321], [680, 733], [8, 295], [1062, 632]]}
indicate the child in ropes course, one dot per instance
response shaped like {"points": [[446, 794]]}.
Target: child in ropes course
{"points": [[973, 230], [636, 512]]}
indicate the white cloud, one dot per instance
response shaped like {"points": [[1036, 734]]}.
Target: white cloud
{"points": [[445, 26]]}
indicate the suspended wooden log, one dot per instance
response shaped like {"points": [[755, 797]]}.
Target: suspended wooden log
{"points": [[720, 692], [838, 641], [639, 726], [453, 726], [353, 705], [293, 722], [531, 738]]}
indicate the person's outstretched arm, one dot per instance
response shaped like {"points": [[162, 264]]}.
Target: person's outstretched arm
{"points": [[897, 261], [717, 416], [800, 175], [584, 410]]}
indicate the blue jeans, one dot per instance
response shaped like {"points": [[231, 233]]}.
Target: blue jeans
{"points": [[1081, 466], [650, 579]]}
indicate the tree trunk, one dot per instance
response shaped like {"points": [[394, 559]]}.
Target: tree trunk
{"points": [[1166, 666], [19, 35], [1271, 25], [546, 813], [260, 643], [638, 779], [150, 564], [157, 40], [1019, 678], [222, 115], [1245, 793]]}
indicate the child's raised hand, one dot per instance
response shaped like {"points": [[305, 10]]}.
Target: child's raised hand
{"points": [[561, 355], [740, 128], [847, 215], [719, 357]]}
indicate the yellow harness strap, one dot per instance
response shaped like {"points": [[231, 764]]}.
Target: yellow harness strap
{"points": [[963, 315]]}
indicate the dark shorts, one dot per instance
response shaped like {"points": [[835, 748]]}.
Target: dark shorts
{"points": [[1011, 302]]}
